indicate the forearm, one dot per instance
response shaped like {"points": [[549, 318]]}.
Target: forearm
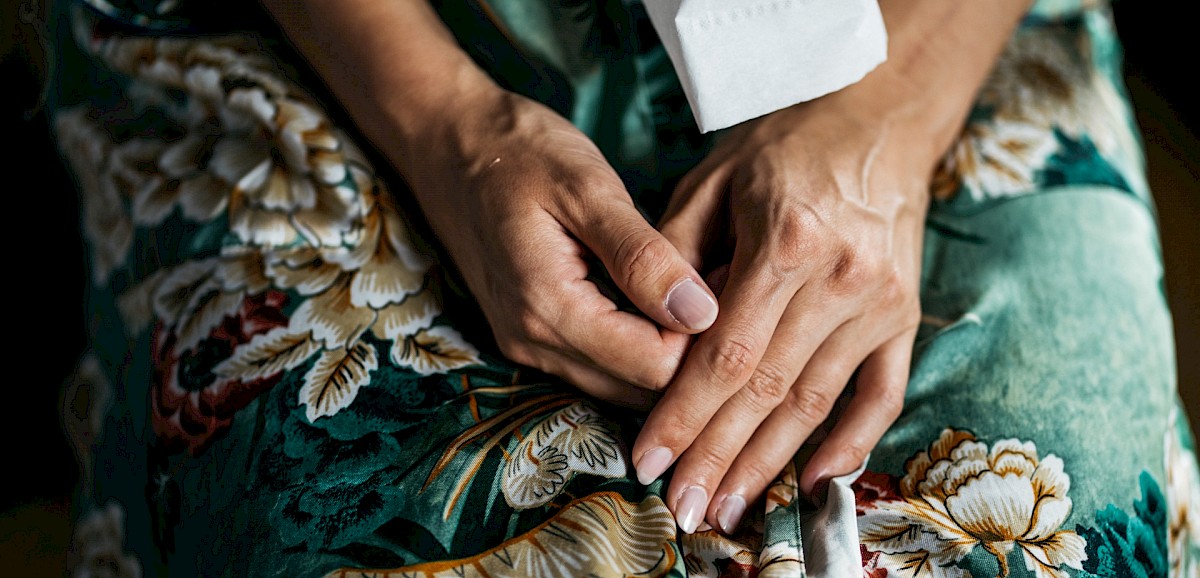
{"points": [[397, 70]]}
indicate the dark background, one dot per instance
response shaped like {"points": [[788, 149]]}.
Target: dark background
{"points": [[45, 272]]}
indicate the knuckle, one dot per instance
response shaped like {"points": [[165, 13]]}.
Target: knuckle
{"points": [[640, 257], [799, 235], [517, 350], [856, 449], [685, 426], [756, 473], [731, 360], [895, 290], [810, 403], [710, 461], [891, 401], [797, 222], [582, 192], [533, 328], [591, 181], [767, 386], [852, 269], [902, 300]]}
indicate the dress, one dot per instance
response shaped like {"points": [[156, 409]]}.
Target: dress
{"points": [[284, 381]]}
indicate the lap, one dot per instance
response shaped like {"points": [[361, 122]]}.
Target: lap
{"points": [[1042, 398], [293, 387]]}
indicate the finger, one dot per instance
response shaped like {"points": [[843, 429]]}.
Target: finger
{"points": [[590, 329], [805, 406], [701, 468], [717, 278], [877, 402], [564, 311], [720, 362], [600, 385], [694, 216], [646, 267]]}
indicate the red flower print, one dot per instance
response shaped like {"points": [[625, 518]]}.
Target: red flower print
{"points": [[192, 406]]}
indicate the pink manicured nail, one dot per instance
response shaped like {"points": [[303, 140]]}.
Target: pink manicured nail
{"points": [[691, 305], [653, 464], [729, 513], [691, 508]]}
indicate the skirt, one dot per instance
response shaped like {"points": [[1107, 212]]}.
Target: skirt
{"points": [[285, 380]]}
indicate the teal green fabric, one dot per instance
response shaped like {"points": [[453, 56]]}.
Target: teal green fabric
{"points": [[283, 380]]}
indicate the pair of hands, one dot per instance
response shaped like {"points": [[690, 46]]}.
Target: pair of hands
{"points": [[817, 212], [819, 207]]}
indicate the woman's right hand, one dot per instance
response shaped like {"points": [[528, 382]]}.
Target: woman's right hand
{"points": [[520, 199], [515, 193]]}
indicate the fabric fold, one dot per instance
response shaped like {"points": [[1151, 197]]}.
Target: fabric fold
{"points": [[830, 534]]}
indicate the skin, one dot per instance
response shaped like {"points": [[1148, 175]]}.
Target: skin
{"points": [[517, 195], [819, 264], [823, 278]]}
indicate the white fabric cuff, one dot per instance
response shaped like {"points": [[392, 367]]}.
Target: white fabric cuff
{"points": [[741, 59]]}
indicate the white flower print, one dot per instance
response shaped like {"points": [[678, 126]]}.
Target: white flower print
{"points": [[961, 494]]}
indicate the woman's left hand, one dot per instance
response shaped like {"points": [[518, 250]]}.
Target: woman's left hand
{"points": [[823, 205]]}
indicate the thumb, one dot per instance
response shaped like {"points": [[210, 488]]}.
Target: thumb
{"points": [[648, 269]]}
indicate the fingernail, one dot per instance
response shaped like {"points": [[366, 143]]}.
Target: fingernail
{"points": [[691, 508], [690, 305], [653, 464], [729, 513]]}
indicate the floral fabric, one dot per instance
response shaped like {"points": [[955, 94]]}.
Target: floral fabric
{"points": [[285, 381]]}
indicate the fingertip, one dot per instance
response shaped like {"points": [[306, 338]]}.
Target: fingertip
{"points": [[689, 510], [819, 491], [832, 461], [652, 465], [651, 272], [691, 305], [717, 278], [730, 512], [814, 482], [825, 465]]}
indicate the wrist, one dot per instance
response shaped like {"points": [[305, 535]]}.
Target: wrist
{"points": [[918, 123], [412, 95], [895, 134], [939, 54], [427, 129]]}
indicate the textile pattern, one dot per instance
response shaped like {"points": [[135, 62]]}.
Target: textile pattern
{"points": [[284, 380]]}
